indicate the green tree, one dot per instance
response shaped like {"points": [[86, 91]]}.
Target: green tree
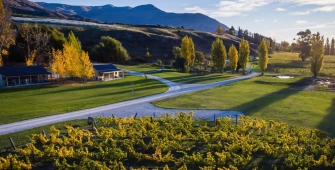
{"points": [[332, 47], [111, 50], [147, 54], [284, 46], [7, 37], [199, 57], [317, 53], [218, 53], [233, 58], [187, 51], [263, 56], [176, 51], [327, 47], [304, 42], [244, 54], [232, 31]]}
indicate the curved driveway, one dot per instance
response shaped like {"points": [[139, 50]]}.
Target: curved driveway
{"points": [[139, 104]]}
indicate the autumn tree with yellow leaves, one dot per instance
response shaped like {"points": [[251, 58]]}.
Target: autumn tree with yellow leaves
{"points": [[72, 60], [7, 35], [187, 51], [233, 58]]}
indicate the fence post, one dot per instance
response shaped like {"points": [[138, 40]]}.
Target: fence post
{"points": [[236, 120], [12, 142]]}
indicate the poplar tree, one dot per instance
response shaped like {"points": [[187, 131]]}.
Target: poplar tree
{"points": [[187, 51], [218, 53], [233, 58], [317, 53], [327, 47], [7, 37], [58, 63], [332, 47], [244, 54], [263, 55]]}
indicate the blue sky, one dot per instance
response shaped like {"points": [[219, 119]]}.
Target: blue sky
{"points": [[279, 19]]}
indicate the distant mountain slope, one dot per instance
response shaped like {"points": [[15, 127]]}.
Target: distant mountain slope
{"points": [[25, 7], [144, 14]]}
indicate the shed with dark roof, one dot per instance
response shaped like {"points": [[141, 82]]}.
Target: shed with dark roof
{"points": [[106, 72], [23, 75]]}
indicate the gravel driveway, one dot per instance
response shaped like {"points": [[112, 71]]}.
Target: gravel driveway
{"points": [[141, 106]]}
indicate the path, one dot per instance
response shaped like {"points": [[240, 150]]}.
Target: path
{"points": [[125, 107]]}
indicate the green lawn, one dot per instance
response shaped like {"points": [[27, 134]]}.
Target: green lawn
{"points": [[31, 102], [290, 63], [187, 78], [138, 68], [267, 98]]}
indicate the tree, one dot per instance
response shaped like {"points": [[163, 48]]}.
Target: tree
{"points": [[263, 56], [233, 58], [332, 47], [304, 42], [111, 50], [7, 37], [284, 46], [199, 57], [72, 60], [187, 51], [176, 51], [244, 52], [219, 30], [147, 54], [35, 43], [232, 31], [327, 47], [317, 53], [219, 54]]}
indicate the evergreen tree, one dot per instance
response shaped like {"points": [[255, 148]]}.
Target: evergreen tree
{"points": [[111, 50], [304, 42], [244, 52], [7, 37], [219, 55], [327, 47], [332, 47], [317, 53], [233, 58], [263, 56]]}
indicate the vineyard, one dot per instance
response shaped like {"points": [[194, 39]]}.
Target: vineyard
{"points": [[176, 142]]}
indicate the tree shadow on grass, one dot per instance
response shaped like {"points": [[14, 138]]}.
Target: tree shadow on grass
{"points": [[328, 122], [256, 105]]}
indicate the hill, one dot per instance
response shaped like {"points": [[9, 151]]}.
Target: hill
{"points": [[159, 40], [143, 14], [27, 8]]}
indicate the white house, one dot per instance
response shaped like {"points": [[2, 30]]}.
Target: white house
{"points": [[107, 72]]}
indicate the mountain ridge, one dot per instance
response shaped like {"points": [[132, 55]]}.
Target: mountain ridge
{"points": [[142, 14]]}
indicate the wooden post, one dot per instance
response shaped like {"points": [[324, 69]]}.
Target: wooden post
{"points": [[7, 81], [12, 142], [135, 116], [236, 120], [30, 80], [19, 81]]}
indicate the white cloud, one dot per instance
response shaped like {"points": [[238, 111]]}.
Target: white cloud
{"points": [[325, 9], [300, 22], [280, 9], [310, 2], [300, 13], [229, 8], [275, 20], [259, 20], [196, 9]]}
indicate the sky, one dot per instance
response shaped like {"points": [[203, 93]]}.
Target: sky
{"points": [[278, 19]]}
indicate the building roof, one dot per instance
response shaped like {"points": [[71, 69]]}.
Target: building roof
{"points": [[19, 71], [103, 68]]}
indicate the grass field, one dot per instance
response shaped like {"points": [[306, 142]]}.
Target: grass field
{"points": [[138, 68], [290, 63], [267, 98], [31, 102], [187, 78]]}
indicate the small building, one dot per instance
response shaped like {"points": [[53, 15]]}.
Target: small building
{"points": [[107, 72], [23, 75]]}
